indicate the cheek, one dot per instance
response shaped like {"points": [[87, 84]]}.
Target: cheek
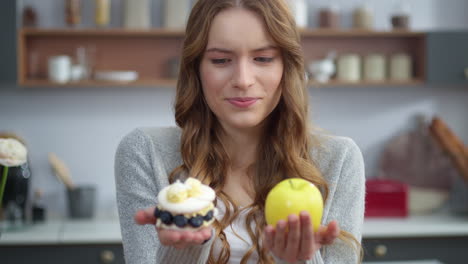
{"points": [[212, 82], [273, 79]]}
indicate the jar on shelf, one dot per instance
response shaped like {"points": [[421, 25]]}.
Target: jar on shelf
{"points": [[30, 17], [363, 18], [400, 19], [102, 13], [349, 68], [299, 11], [329, 17], [401, 67], [176, 13], [374, 67], [73, 12], [137, 14]]}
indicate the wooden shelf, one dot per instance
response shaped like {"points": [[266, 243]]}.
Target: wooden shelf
{"points": [[151, 52], [95, 83], [352, 33], [333, 83], [161, 32], [101, 32], [172, 83]]}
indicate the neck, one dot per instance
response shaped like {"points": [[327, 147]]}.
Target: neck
{"points": [[241, 146]]}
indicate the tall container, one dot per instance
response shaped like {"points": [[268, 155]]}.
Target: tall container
{"points": [[137, 14], [102, 13], [176, 13]]}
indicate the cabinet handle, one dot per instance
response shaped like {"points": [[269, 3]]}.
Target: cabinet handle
{"points": [[107, 256], [380, 251]]}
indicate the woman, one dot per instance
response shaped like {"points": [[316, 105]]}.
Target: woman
{"points": [[242, 111]]}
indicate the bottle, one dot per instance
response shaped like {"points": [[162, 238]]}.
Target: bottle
{"points": [[102, 14], [73, 12], [38, 209]]}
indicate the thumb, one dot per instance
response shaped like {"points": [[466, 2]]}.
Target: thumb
{"points": [[146, 216]]}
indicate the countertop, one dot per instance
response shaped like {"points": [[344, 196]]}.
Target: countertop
{"points": [[107, 230]]}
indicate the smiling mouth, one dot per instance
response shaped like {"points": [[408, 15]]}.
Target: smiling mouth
{"points": [[242, 102]]}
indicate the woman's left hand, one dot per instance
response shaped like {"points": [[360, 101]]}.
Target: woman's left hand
{"points": [[295, 239]]}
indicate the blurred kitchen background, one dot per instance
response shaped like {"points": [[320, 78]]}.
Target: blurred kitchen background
{"points": [[83, 123]]}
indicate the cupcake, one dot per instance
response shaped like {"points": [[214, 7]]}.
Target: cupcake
{"points": [[185, 206]]}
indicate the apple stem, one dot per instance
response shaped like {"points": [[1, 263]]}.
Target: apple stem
{"points": [[292, 184]]}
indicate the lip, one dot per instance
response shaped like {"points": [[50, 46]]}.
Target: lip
{"points": [[242, 102]]}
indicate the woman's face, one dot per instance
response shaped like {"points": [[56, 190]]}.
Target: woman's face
{"points": [[241, 70]]}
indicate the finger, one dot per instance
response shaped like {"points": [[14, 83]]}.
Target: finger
{"points": [[169, 237], [143, 217], [331, 233], [206, 233], [307, 236], [201, 236], [280, 238], [292, 246], [268, 237]]}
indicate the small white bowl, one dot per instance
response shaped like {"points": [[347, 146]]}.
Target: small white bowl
{"points": [[116, 76]]}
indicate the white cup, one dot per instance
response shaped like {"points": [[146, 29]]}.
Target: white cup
{"points": [[59, 68]]}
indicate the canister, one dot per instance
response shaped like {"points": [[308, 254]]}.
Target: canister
{"points": [[401, 67], [349, 68], [374, 67]]}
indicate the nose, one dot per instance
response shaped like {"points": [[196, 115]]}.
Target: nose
{"points": [[243, 76]]}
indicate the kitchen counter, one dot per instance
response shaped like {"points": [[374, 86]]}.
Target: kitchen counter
{"points": [[56, 231], [107, 231]]}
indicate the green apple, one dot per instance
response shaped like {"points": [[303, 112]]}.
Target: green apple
{"points": [[291, 196]]}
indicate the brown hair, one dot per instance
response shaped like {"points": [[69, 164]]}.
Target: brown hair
{"points": [[284, 150]]}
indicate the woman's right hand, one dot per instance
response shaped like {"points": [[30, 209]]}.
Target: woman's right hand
{"points": [[175, 238]]}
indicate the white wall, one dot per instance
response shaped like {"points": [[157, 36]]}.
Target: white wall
{"points": [[84, 126]]}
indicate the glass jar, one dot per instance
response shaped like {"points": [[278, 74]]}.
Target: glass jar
{"points": [[349, 68], [176, 13], [137, 14], [329, 17], [73, 12], [102, 13], [363, 18]]}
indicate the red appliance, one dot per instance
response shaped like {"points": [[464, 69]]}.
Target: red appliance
{"points": [[386, 198]]}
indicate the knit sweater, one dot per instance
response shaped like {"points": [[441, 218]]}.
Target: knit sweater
{"points": [[146, 156]]}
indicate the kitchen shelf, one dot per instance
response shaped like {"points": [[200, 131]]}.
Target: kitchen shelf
{"points": [[333, 83], [96, 83], [150, 52]]}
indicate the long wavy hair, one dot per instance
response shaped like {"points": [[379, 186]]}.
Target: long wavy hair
{"points": [[284, 149]]}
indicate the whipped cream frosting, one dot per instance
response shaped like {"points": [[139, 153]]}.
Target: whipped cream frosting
{"points": [[175, 199]]}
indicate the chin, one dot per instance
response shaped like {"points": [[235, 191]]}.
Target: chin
{"points": [[245, 123]]}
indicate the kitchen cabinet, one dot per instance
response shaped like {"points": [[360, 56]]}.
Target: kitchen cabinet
{"points": [[447, 250], [58, 254], [8, 41], [441, 236], [94, 241], [447, 54]]}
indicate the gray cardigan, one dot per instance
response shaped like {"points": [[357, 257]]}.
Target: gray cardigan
{"points": [[146, 156]]}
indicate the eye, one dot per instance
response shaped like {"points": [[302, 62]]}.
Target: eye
{"points": [[264, 59], [220, 61]]}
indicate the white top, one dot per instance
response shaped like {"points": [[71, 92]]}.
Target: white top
{"points": [[236, 234]]}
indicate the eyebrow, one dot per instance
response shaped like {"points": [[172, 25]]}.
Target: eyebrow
{"points": [[269, 47]]}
